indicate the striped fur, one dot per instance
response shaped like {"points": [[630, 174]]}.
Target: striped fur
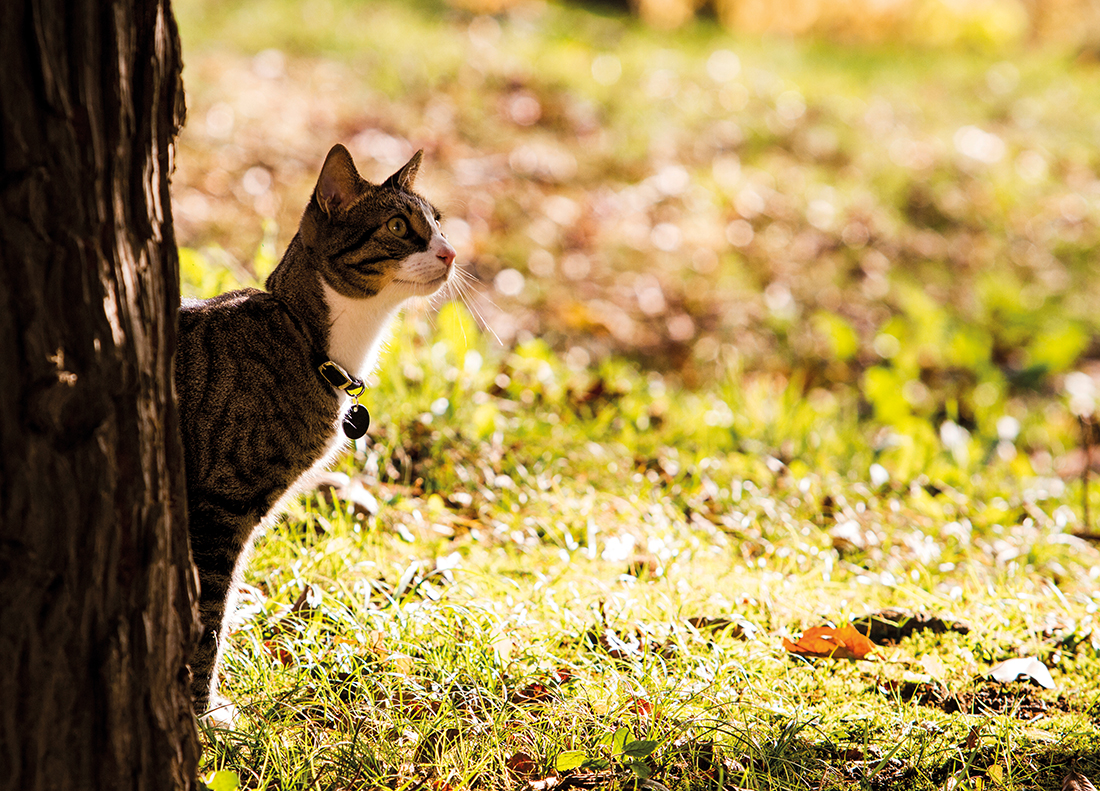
{"points": [[257, 418]]}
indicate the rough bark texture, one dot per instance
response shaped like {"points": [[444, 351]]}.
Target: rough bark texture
{"points": [[96, 587]]}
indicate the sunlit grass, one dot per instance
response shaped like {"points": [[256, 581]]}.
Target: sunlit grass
{"points": [[522, 594], [864, 410]]}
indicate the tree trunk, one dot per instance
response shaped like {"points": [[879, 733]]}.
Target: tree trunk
{"points": [[96, 585]]}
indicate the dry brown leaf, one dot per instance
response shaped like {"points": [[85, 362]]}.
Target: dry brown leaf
{"points": [[827, 641], [300, 610], [532, 693], [522, 765], [282, 655]]}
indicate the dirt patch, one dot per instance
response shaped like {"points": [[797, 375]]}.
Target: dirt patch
{"points": [[892, 626], [1018, 699]]}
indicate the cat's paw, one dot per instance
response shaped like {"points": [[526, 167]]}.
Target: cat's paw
{"points": [[221, 713]]}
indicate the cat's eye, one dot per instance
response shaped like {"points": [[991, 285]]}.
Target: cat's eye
{"points": [[398, 227]]}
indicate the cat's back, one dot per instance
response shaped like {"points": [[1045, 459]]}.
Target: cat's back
{"points": [[246, 378], [233, 330], [246, 304]]}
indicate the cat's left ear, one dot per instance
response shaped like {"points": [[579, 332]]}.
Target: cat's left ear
{"points": [[403, 179], [339, 183]]}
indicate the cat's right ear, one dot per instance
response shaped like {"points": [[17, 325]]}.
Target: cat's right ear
{"points": [[339, 182]]}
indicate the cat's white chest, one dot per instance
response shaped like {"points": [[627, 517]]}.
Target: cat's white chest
{"points": [[358, 330]]}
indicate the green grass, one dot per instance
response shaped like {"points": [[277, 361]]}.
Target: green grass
{"points": [[867, 410], [487, 610]]}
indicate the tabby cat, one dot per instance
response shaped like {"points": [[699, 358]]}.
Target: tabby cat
{"points": [[265, 378]]}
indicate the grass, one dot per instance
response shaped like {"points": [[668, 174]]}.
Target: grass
{"points": [[520, 594], [570, 558]]}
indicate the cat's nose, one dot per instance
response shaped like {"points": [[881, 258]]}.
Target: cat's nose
{"points": [[446, 254]]}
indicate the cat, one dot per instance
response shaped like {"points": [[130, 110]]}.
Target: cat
{"points": [[264, 378]]}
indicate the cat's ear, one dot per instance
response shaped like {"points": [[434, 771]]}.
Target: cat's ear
{"points": [[339, 183], [403, 179]]}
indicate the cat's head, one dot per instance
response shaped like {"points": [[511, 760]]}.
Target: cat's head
{"points": [[369, 238]]}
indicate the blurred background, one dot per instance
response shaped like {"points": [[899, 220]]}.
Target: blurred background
{"points": [[894, 201]]}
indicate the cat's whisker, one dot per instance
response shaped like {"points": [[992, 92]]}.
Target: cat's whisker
{"points": [[451, 292], [473, 298], [463, 287]]}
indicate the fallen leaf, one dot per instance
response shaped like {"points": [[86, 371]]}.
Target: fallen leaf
{"points": [[539, 692], [571, 759], [521, 765], [302, 605], [1028, 666], [224, 780], [534, 692], [562, 675], [826, 641], [620, 644], [933, 665], [375, 643], [285, 657], [413, 705], [856, 754]]}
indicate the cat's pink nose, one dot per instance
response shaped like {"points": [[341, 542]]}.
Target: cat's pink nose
{"points": [[446, 254]]}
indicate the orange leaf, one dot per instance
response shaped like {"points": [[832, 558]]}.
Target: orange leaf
{"points": [[642, 707], [825, 641], [278, 652], [973, 737]]}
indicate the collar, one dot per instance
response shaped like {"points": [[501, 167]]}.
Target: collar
{"points": [[339, 378]]}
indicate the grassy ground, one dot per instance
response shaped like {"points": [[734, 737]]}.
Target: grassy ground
{"points": [[531, 572], [784, 336]]}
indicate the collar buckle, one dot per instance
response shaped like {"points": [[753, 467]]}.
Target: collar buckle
{"points": [[341, 379]]}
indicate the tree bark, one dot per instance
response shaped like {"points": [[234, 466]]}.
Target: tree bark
{"points": [[96, 585]]}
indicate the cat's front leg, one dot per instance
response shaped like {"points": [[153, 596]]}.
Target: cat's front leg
{"points": [[218, 542]]}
